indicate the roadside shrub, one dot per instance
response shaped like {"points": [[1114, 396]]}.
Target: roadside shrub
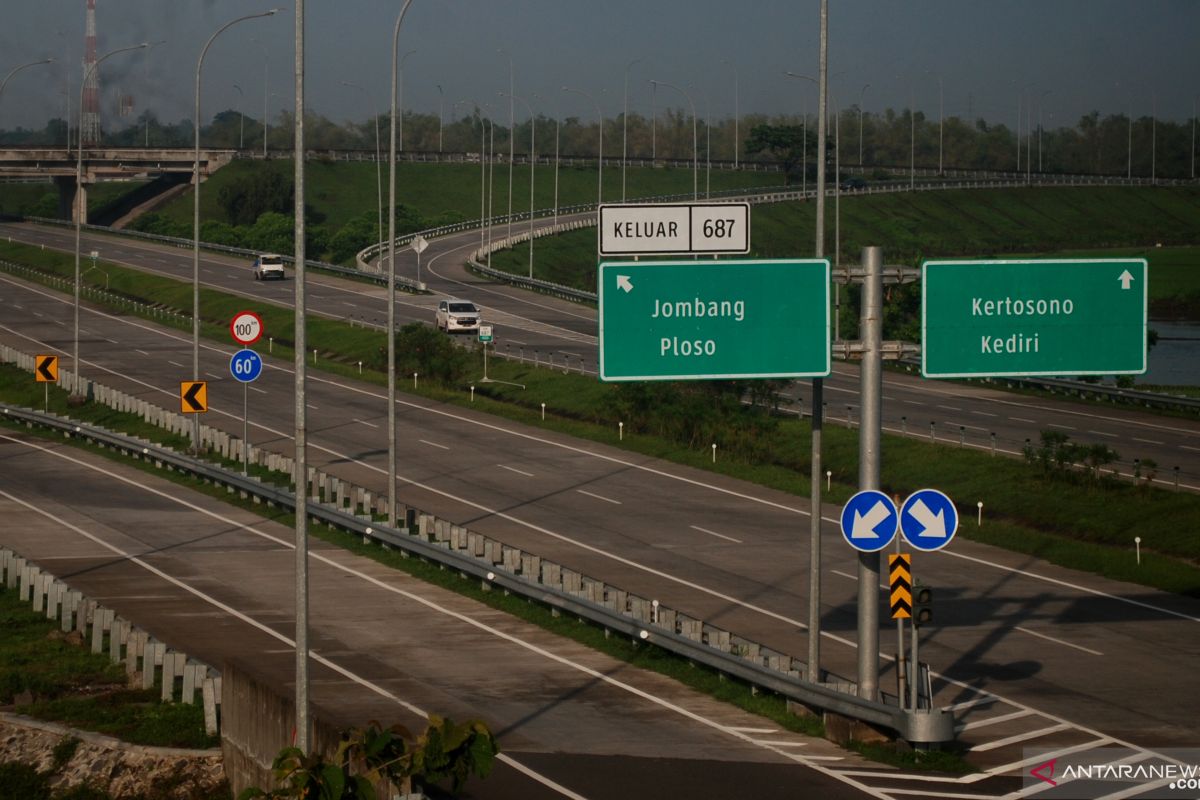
{"points": [[23, 782]]}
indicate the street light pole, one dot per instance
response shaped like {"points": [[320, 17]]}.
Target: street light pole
{"points": [[804, 134], [600, 159], [81, 206], [391, 301], [737, 139], [625, 127], [378, 165], [860, 122], [15, 70], [695, 140], [241, 118], [403, 58], [532, 164], [1041, 102], [441, 111], [653, 123], [511, 135], [196, 211]]}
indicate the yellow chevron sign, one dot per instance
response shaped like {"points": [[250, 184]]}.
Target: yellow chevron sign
{"points": [[900, 572], [193, 396], [46, 369]]}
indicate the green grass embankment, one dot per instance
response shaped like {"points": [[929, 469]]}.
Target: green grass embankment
{"points": [[46, 675], [1076, 523], [979, 223]]}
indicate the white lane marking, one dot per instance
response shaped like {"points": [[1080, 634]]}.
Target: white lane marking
{"points": [[346, 673], [844, 574], [714, 533], [1020, 737], [1058, 641], [1193, 449], [1103, 433], [985, 414], [978, 701], [456, 615], [514, 469], [175, 364], [111, 341], [968, 427], [368, 424], [40, 314], [310, 405], [1063, 427], [214, 375], [753, 730], [348, 303], [780, 744], [256, 389], [1100, 741], [948, 795], [1145, 441], [143, 352], [950, 408], [1137, 789], [983, 723], [433, 444], [600, 497], [1026, 421]]}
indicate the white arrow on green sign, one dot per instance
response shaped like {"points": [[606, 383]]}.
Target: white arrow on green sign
{"points": [[1017, 318], [705, 320]]}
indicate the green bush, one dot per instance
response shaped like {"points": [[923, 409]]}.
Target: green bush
{"points": [[432, 355], [23, 782]]}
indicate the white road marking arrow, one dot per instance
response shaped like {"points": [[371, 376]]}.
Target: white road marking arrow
{"points": [[623, 283], [1125, 279], [935, 524], [864, 525]]}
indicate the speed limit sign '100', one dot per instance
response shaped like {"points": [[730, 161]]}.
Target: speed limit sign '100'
{"points": [[247, 327]]}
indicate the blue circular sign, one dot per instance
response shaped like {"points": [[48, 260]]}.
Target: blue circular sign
{"points": [[246, 366], [928, 520], [869, 521]]}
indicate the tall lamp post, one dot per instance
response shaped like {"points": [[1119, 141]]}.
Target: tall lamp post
{"points": [[941, 117], [241, 118], [482, 158], [1041, 101], [196, 210], [625, 127], [441, 111], [378, 165], [532, 165], [737, 139], [511, 136], [695, 150], [861, 94], [804, 133], [600, 159], [403, 58], [15, 70], [391, 324], [81, 205]]}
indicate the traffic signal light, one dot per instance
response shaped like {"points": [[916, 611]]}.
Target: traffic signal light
{"points": [[922, 605]]}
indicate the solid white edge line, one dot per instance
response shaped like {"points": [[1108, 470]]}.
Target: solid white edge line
{"points": [[514, 469], [433, 444], [600, 497], [1057, 641], [328, 561], [714, 533]]}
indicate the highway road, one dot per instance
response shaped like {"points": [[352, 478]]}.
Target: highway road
{"points": [[1029, 654], [548, 329], [216, 582]]}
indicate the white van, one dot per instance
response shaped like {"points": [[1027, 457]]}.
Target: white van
{"points": [[268, 265]]}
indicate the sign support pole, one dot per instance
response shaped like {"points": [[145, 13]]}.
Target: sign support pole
{"points": [[901, 672], [245, 432], [46, 400], [871, 334]]}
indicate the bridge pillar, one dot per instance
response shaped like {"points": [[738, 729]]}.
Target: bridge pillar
{"points": [[72, 200]]}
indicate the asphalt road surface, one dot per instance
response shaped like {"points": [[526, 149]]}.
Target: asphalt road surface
{"points": [[1027, 653]]}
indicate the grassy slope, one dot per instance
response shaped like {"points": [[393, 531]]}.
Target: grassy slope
{"points": [[970, 223], [19, 198], [341, 191]]}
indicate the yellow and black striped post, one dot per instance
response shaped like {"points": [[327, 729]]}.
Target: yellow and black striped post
{"points": [[900, 572]]}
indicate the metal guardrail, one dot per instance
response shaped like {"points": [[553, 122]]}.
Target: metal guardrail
{"points": [[923, 726]]}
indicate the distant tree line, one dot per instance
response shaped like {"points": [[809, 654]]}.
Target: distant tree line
{"points": [[1110, 145]]}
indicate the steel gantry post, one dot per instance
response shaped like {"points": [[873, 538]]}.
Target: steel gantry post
{"points": [[871, 334]]}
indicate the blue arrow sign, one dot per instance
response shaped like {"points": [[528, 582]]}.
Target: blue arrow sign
{"points": [[869, 521], [928, 520], [246, 365]]}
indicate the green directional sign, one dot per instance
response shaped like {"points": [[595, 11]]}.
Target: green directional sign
{"points": [[1016, 318], [703, 320]]}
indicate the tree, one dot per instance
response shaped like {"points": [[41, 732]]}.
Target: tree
{"points": [[782, 142]]}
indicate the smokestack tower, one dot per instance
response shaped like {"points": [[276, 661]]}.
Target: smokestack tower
{"points": [[89, 118]]}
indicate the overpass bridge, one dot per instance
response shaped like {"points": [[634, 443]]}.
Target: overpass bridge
{"points": [[102, 163]]}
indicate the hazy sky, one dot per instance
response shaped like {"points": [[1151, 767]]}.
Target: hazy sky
{"points": [[1072, 56]]}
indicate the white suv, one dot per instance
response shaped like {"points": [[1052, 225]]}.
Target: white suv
{"points": [[268, 265], [457, 315]]}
